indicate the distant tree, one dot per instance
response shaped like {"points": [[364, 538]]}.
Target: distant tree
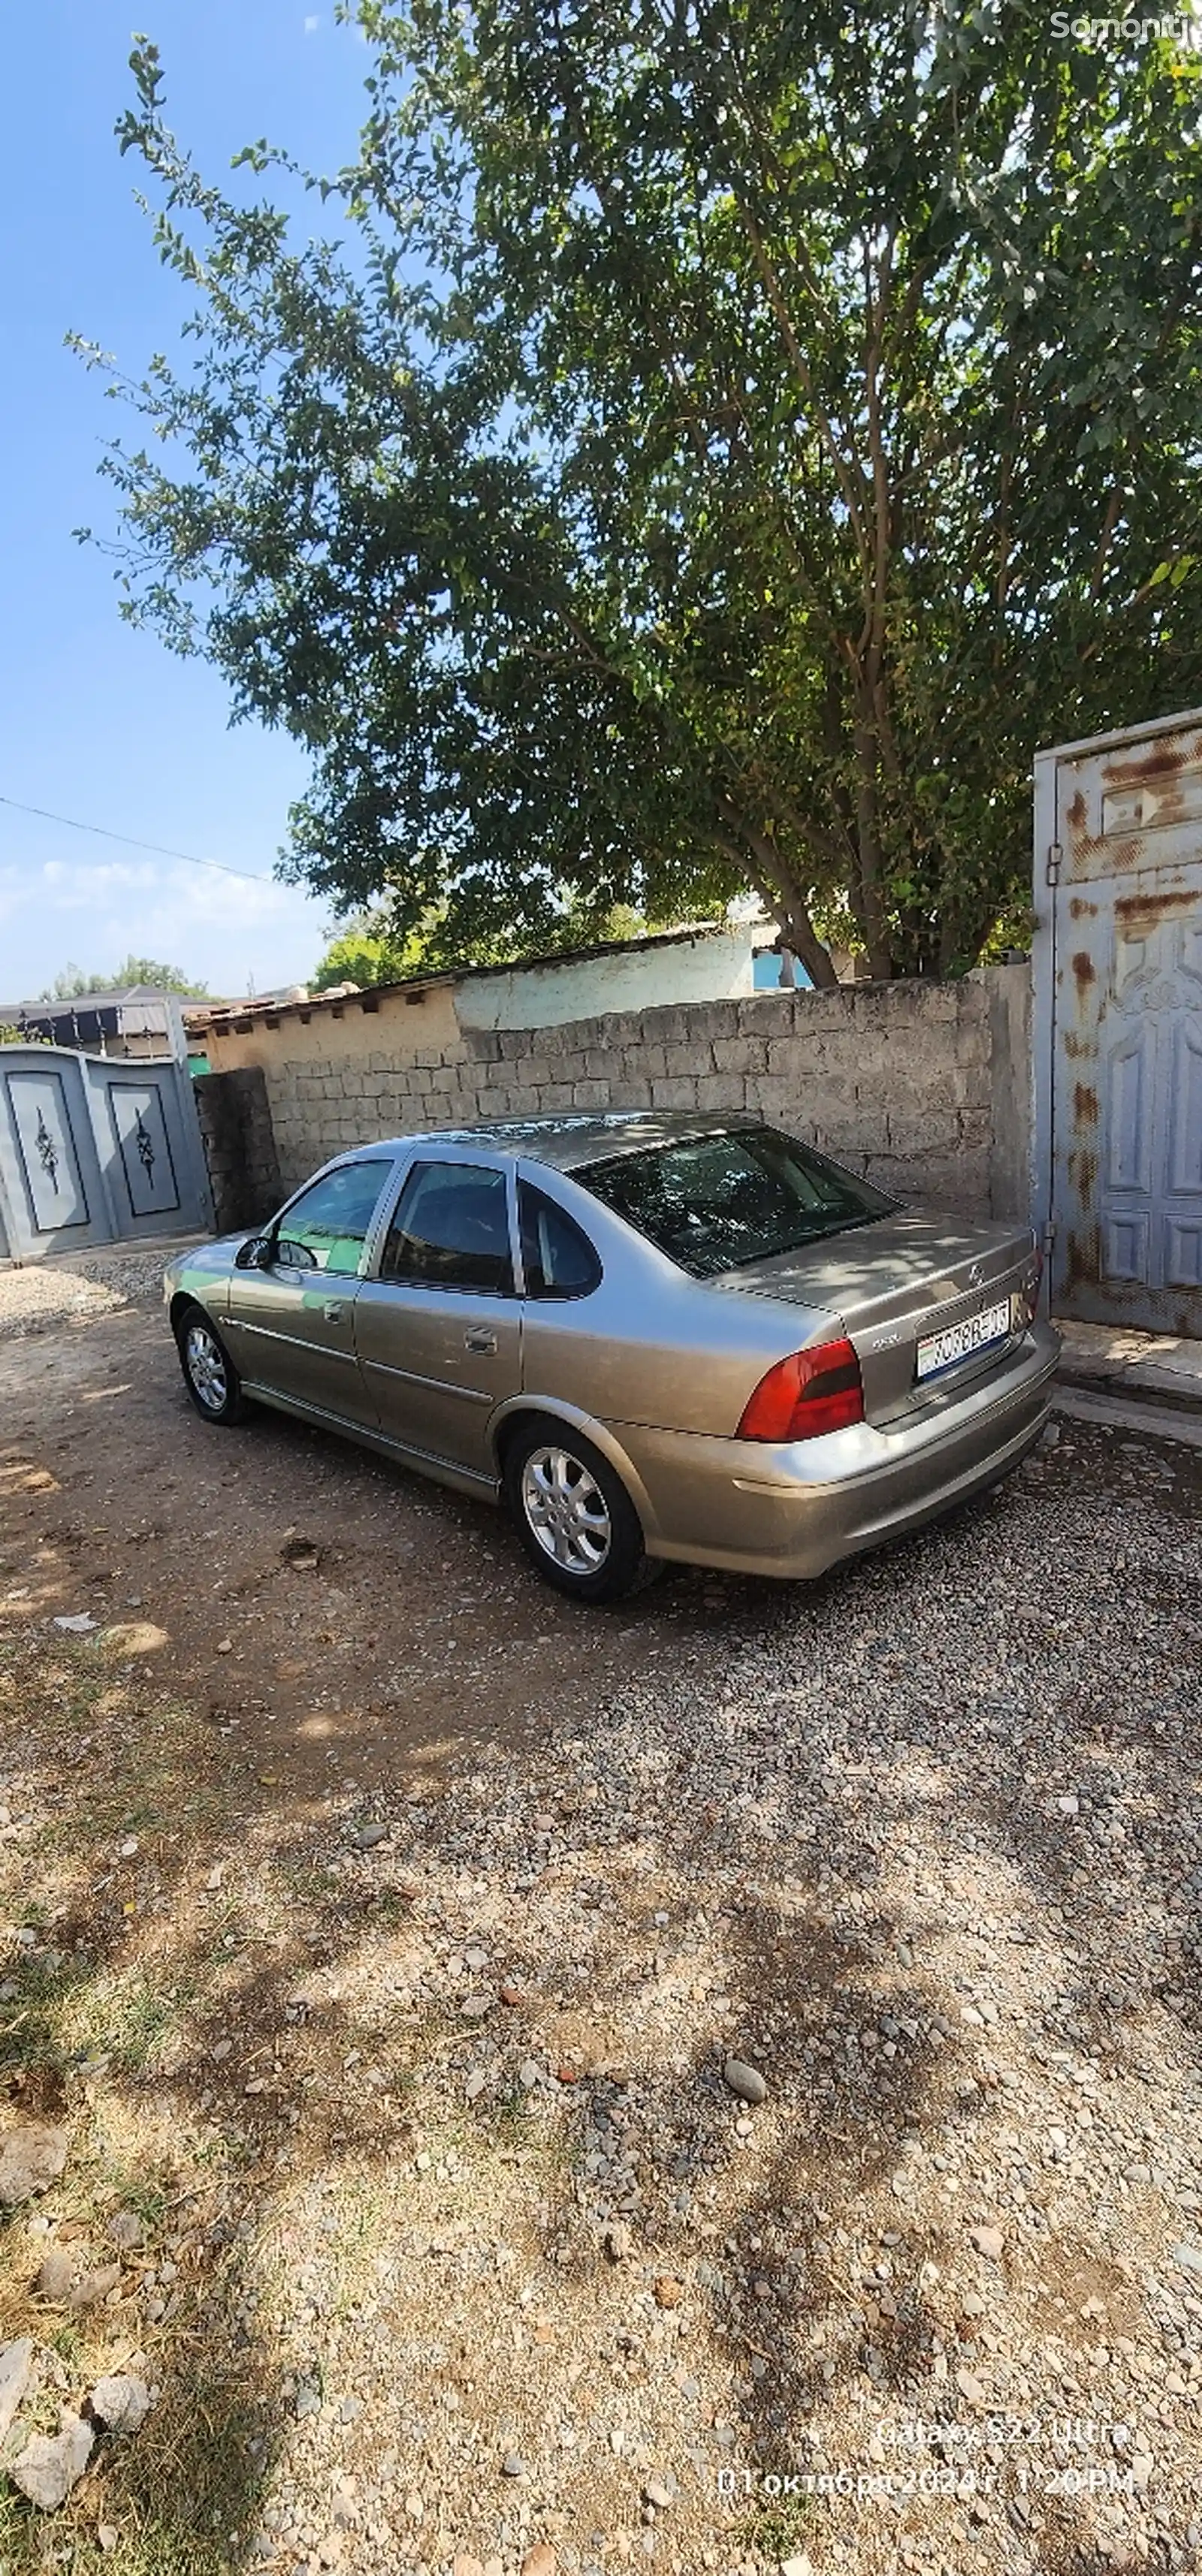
{"points": [[370, 950], [362, 953], [68, 986]]}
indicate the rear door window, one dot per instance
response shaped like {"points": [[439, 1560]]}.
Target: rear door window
{"points": [[557, 1258], [451, 1230]]}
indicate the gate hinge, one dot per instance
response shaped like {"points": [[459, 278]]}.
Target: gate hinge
{"points": [[1049, 1234], [1055, 855]]}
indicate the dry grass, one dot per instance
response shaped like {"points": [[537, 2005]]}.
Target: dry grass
{"points": [[108, 1975], [157, 1914]]}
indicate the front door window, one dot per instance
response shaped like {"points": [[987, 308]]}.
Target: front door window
{"points": [[327, 1226], [294, 1323]]}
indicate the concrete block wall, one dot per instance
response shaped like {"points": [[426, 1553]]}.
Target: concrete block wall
{"points": [[239, 1144], [923, 1088]]}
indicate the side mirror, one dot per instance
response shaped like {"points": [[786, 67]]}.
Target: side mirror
{"points": [[254, 1254]]}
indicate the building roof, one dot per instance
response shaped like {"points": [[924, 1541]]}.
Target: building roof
{"points": [[200, 1016], [139, 1006]]}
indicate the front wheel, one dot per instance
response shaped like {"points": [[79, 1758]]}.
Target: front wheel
{"points": [[575, 1518], [210, 1376]]}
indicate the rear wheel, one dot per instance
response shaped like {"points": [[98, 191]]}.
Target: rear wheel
{"points": [[575, 1518], [210, 1376]]}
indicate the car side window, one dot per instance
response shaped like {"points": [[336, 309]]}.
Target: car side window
{"points": [[451, 1230], [557, 1257], [327, 1226]]}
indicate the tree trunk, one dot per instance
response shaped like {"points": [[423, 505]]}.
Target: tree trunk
{"points": [[870, 910], [764, 865], [775, 884]]}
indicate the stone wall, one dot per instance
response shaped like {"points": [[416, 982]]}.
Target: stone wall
{"points": [[239, 1142], [1012, 1087], [923, 1087]]}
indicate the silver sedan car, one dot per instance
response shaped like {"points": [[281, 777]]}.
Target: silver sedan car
{"points": [[651, 1336]]}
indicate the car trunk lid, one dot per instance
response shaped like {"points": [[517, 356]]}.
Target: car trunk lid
{"points": [[897, 1283]]}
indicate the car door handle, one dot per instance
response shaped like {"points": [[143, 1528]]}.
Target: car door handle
{"points": [[334, 1309], [479, 1339]]}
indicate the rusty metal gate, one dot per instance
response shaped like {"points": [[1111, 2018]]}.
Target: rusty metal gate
{"points": [[1118, 1024], [95, 1149]]}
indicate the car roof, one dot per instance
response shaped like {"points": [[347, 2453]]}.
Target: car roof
{"points": [[567, 1143]]}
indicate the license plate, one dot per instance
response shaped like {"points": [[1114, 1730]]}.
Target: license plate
{"points": [[962, 1341]]}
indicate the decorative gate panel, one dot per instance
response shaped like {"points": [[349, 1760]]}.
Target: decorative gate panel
{"points": [[1118, 1025], [96, 1150], [147, 1170], [46, 1148]]}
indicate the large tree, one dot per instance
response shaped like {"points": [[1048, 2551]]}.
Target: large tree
{"points": [[722, 442]]}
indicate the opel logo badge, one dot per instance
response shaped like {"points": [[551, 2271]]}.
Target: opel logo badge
{"points": [[976, 1274]]}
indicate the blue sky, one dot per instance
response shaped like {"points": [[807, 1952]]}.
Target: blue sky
{"points": [[98, 721]]}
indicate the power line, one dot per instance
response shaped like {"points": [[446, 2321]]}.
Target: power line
{"points": [[158, 847]]}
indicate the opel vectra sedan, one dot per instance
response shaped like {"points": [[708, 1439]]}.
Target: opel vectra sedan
{"points": [[651, 1336]]}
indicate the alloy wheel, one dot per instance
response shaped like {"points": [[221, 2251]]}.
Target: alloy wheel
{"points": [[205, 1363], [566, 1510]]}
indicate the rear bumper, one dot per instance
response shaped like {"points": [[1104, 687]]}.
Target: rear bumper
{"points": [[793, 1511]]}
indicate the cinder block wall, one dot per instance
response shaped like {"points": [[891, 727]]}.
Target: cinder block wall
{"points": [[239, 1143], [923, 1087]]}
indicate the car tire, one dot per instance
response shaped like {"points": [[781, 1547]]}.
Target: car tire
{"points": [[574, 1516], [210, 1376]]}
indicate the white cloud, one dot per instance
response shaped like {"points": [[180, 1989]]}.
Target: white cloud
{"points": [[224, 930], [311, 26]]}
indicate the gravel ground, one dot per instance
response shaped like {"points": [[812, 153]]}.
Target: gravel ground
{"points": [[928, 1855], [508, 2275], [43, 1296]]}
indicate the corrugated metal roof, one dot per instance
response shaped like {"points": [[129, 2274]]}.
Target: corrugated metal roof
{"points": [[144, 997]]}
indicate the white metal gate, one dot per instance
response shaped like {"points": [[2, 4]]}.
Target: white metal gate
{"points": [[1118, 1024], [96, 1150]]}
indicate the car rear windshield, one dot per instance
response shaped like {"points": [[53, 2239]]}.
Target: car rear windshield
{"points": [[716, 1203]]}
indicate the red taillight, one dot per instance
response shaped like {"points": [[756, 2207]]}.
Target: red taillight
{"points": [[809, 1393]]}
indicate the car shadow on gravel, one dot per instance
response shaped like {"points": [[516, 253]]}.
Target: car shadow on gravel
{"points": [[837, 2028]]}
